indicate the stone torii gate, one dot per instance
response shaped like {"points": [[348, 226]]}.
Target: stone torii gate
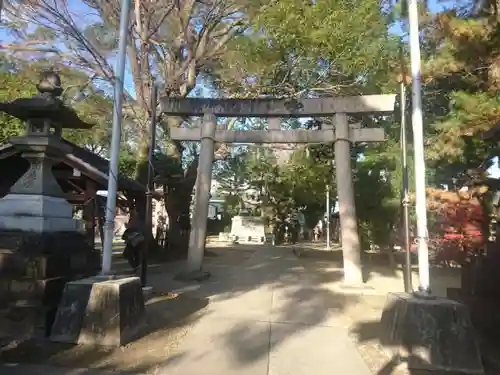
{"points": [[341, 134]]}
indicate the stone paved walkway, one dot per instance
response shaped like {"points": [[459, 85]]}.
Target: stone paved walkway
{"points": [[269, 316], [272, 314]]}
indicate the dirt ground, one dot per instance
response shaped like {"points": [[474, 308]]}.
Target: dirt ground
{"points": [[170, 318]]}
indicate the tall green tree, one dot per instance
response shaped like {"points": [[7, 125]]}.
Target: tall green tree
{"points": [[304, 48], [323, 48], [175, 42], [462, 74], [280, 188]]}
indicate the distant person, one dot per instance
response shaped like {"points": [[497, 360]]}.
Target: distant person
{"points": [[134, 240], [318, 230], [161, 230], [335, 223], [184, 222], [295, 229]]}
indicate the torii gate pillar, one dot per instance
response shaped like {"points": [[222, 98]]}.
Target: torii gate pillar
{"points": [[351, 248], [201, 201]]}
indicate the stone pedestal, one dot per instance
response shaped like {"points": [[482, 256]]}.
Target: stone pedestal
{"points": [[36, 202], [37, 213], [97, 312], [432, 334], [248, 229], [34, 267]]}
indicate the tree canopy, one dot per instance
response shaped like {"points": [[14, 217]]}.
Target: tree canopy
{"points": [[286, 48], [462, 77]]}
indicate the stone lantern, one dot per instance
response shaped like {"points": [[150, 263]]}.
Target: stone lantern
{"points": [[35, 202], [41, 245]]}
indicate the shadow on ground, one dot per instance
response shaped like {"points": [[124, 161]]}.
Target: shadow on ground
{"points": [[168, 317], [300, 290]]}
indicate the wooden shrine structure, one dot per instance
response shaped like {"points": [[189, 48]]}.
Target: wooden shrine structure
{"points": [[81, 174]]}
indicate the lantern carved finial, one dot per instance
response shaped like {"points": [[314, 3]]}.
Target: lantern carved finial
{"points": [[45, 113], [50, 84]]}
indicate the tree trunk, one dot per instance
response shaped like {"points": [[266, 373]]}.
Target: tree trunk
{"points": [[178, 203], [141, 175], [141, 166], [177, 241]]}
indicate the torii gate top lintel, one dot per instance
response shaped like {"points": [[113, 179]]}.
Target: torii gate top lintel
{"points": [[273, 107]]}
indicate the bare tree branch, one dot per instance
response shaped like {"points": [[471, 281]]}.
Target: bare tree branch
{"points": [[170, 41]]}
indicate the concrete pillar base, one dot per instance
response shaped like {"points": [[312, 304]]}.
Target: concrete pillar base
{"points": [[430, 333], [193, 276], [101, 312], [147, 291]]}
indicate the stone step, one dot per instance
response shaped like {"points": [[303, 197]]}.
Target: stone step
{"points": [[26, 319], [46, 255], [15, 265], [250, 239], [47, 291]]}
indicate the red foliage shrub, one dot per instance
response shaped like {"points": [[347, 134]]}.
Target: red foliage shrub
{"points": [[456, 225]]}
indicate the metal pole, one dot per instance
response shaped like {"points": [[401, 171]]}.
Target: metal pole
{"points": [[327, 217], [115, 139], [150, 185], [418, 146], [405, 193]]}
